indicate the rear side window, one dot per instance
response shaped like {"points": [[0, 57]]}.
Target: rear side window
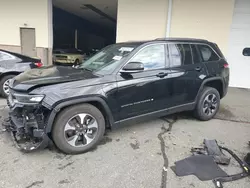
{"points": [[207, 54], [180, 54]]}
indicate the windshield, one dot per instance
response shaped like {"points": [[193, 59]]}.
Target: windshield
{"points": [[105, 61]]}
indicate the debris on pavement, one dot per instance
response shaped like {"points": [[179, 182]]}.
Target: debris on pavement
{"points": [[204, 163]]}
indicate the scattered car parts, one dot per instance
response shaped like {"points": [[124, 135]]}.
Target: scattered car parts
{"points": [[203, 164]]}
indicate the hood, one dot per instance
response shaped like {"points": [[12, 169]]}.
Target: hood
{"points": [[47, 76]]}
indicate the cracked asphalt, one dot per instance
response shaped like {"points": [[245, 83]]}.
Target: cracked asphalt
{"points": [[133, 156]]}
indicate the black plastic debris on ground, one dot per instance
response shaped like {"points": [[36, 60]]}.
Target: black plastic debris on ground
{"points": [[202, 166]]}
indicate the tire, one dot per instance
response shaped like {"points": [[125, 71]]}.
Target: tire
{"points": [[206, 109], [71, 113], [77, 62], [2, 83]]}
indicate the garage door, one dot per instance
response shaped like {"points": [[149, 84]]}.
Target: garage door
{"points": [[240, 39]]}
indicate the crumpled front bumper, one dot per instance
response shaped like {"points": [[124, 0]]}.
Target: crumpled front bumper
{"points": [[27, 125]]}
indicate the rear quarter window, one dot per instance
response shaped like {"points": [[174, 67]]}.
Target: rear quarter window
{"points": [[4, 56], [207, 54]]}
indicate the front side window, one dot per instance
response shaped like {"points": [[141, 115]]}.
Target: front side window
{"points": [[180, 54], [107, 60], [207, 54], [152, 57]]}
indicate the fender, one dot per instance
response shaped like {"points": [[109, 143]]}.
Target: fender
{"points": [[209, 80], [70, 102]]}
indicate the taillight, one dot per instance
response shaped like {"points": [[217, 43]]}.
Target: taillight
{"points": [[38, 64], [226, 66]]}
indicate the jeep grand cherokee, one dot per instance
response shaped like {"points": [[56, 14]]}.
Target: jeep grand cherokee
{"points": [[122, 82]]}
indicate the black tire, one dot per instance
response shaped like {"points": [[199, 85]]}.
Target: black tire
{"points": [[61, 121], [77, 62], [199, 112], [3, 80]]}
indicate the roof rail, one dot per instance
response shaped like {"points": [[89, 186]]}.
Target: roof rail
{"points": [[181, 39]]}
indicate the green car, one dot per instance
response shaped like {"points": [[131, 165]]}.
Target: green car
{"points": [[67, 56]]}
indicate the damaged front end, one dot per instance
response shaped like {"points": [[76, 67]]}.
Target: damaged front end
{"points": [[27, 121]]}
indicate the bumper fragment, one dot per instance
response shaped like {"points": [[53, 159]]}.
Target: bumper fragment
{"points": [[27, 128], [25, 143]]}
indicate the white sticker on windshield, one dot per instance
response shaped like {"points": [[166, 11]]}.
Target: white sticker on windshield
{"points": [[126, 49], [117, 57]]}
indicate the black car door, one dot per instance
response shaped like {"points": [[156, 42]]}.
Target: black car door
{"points": [[188, 73], [146, 91]]}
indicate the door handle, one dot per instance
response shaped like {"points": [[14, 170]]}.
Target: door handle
{"points": [[162, 74], [198, 68]]}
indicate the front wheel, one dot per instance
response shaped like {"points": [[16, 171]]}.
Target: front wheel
{"points": [[79, 128], [208, 104]]}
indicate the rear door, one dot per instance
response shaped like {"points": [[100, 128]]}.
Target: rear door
{"points": [[188, 72]]}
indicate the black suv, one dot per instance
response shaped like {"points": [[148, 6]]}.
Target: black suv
{"points": [[122, 82]]}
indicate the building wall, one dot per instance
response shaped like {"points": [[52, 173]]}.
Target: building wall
{"points": [[141, 19], [205, 19], [15, 14]]}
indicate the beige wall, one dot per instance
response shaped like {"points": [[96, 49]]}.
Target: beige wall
{"points": [[141, 19], [25, 13], [15, 14], [207, 19]]}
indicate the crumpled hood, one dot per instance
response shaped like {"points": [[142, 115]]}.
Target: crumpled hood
{"points": [[47, 76]]}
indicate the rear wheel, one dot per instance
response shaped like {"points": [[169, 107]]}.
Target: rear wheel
{"points": [[79, 128], [208, 104], [4, 85]]}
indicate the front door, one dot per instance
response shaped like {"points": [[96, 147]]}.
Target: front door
{"points": [[188, 73], [28, 41], [146, 91]]}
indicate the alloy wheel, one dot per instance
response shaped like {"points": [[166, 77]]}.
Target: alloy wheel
{"points": [[210, 104], [80, 130], [6, 87]]}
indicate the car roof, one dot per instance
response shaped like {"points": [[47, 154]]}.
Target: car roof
{"points": [[168, 39], [21, 56]]}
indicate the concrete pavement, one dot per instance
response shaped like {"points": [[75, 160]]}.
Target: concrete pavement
{"points": [[236, 105], [132, 156]]}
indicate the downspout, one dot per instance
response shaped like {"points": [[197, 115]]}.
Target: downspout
{"points": [[76, 39], [170, 5]]}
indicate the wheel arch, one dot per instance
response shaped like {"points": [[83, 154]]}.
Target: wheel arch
{"points": [[216, 83], [9, 73], [98, 102]]}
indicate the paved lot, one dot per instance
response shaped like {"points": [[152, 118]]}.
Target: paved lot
{"points": [[132, 156]]}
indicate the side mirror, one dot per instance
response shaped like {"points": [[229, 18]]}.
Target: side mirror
{"points": [[246, 52], [133, 67]]}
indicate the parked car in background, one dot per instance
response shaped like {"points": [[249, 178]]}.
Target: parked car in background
{"points": [[12, 64], [122, 82], [90, 53], [68, 56]]}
